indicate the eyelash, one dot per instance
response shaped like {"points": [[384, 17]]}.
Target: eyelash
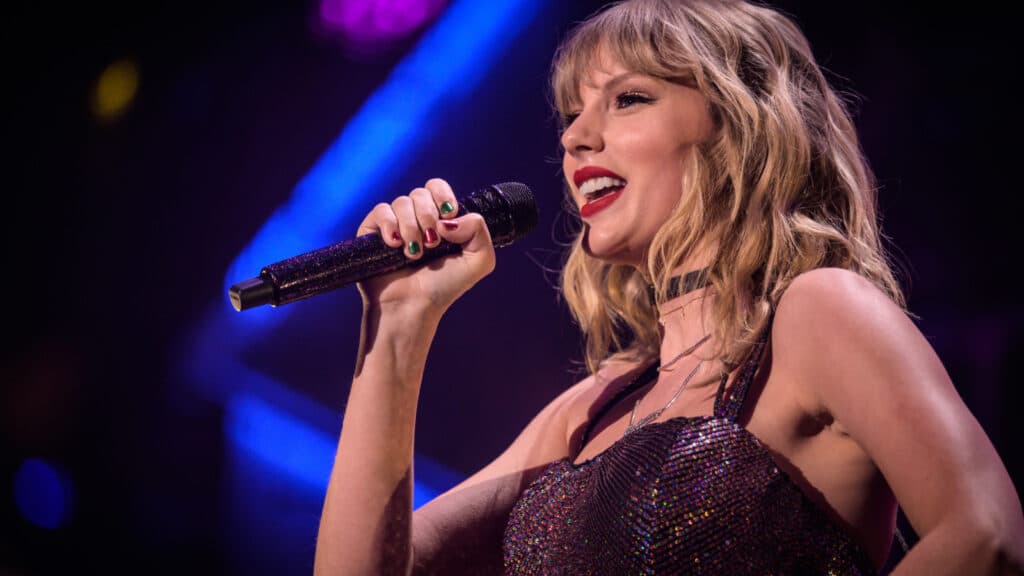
{"points": [[623, 100], [629, 98]]}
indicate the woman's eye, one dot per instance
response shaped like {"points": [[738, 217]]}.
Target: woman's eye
{"points": [[630, 98], [568, 119]]}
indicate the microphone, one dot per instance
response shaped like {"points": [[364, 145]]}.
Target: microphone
{"points": [[509, 210]]}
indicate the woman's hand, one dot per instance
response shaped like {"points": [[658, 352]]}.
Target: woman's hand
{"points": [[416, 223]]}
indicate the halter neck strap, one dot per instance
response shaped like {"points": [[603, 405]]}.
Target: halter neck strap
{"points": [[730, 406]]}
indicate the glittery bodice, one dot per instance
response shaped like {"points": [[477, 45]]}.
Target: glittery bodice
{"points": [[685, 496]]}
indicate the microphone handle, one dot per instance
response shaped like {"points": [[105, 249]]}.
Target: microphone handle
{"points": [[340, 265], [508, 210]]}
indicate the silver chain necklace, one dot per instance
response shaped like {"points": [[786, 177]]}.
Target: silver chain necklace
{"points": [[632, 427], [667, 367]]}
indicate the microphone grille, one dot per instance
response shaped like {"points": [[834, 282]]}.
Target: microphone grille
{"points": [[521, 209]]}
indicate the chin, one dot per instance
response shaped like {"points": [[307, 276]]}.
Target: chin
{"points": [[610, 251]]}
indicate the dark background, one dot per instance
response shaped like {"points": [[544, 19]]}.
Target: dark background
{"points": [[118, 236]]}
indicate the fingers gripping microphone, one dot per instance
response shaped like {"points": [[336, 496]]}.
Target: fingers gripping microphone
{"points": [[509, 210]]}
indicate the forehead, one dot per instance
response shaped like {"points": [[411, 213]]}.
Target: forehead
{"points": [[601, 68]]}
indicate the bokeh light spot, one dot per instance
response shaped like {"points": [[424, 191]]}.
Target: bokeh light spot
{"points": [[42, 493], [115, 90]]}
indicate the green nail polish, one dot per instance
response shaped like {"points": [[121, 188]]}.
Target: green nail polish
{"points": [[446, 207], [414, 248]]}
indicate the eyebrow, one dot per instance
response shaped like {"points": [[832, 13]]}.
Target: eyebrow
{"points": [[622, 79], [616, 81], [610, 86]]}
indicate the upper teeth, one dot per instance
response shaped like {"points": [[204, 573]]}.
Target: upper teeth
{"points": [[600, 183]]}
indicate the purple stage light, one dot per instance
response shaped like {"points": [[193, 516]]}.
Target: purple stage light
{"points": [[370, 23]]}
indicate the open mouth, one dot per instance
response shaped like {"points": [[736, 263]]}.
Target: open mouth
{"points": [[595, 188]]}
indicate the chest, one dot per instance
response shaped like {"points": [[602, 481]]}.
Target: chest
{"points": [[701, 493], [765, 405]]}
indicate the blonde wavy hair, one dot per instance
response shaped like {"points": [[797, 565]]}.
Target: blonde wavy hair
{"points": [[780, 188]]}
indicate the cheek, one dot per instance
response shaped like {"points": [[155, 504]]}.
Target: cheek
{"points": [[568, 167], [664, 190], [655, 216], [656, 149], [666, 166]]}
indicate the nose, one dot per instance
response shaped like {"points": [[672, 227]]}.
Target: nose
{"points": [[584, 134]]}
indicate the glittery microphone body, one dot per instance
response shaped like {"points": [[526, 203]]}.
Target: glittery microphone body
{"points": [[508, 209]]}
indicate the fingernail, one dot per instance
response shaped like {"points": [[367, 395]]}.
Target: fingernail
{"points": [[446, 207], [450, 224], [414, 248], [396, 236], [431, 235]]}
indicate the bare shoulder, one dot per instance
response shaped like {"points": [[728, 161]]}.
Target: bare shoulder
{"points": [[855, 356], [832, 321], [834, 291], [833, 305]]}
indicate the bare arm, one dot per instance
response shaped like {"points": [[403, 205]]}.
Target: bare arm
{"points": [[365, 524], [875, 373]]}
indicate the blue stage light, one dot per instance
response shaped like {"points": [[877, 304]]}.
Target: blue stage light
{"points": [[42, 493]]}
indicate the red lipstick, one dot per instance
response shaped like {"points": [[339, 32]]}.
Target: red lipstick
{"points": [[591, 208], [594, 205], [587, 172]]}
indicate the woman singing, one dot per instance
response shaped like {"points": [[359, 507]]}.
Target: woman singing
{"points": [[759, 401]]}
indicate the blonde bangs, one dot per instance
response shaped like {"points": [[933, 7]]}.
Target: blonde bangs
{"points": [[635, 38]]}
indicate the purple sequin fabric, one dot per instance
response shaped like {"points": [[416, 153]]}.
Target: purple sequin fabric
{"points": [[684, 496]]}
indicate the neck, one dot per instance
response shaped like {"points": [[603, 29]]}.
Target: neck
{"points": [[685, 319]]}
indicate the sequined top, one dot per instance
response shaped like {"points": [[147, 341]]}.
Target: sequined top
{"points": [[690, 495]]}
